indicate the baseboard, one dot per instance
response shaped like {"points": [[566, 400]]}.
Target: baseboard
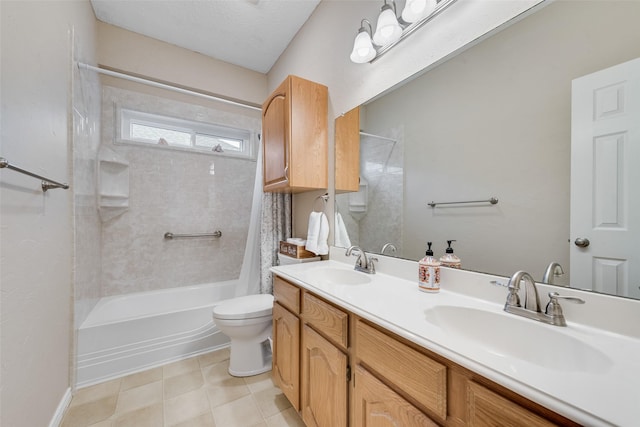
{"points": [[62, 407]]}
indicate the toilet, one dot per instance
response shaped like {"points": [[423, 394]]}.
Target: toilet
{"points": [[247, 321]]}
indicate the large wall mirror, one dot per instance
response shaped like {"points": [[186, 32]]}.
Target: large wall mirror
{"points": [[496, 121]]}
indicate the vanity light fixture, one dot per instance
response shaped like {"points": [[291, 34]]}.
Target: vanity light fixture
{"points": [[391, 31]]}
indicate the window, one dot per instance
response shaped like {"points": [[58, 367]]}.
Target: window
{"points": [[170, 132]]}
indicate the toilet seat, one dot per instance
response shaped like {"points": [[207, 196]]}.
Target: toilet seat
{"points": [[247, 307]]}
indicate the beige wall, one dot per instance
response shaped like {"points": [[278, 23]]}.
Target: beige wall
{"points": [[134, 53], [320, 52], [36, 244]]}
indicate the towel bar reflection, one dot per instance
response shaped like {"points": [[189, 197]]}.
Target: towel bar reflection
{"points": [[47, 184], [169, 235], [493, 201]]}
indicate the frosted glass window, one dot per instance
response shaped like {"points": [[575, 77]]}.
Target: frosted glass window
{"points": [[170, 132], [155, 134], [225, 144]]}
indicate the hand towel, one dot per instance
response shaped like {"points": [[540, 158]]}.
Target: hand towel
{"points": [[323, 235], [313, 231], [341, 234]]}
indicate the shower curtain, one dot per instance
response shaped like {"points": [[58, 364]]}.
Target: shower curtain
{"points": [[270, 223], [275, 226], [250, 273]]}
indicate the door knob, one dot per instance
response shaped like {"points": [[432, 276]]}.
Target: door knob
{"points": [[582, 242]]}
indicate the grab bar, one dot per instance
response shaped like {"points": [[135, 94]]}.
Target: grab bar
{"points": [[47, 184], [169, 235], [493, 201]]}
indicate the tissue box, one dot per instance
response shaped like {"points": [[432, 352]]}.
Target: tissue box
{"points": [[294, 251]]}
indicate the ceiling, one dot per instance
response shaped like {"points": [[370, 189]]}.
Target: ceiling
{"points": [[249, 33]]}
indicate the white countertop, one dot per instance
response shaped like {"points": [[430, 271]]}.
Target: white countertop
{"points": [[607, 395]]}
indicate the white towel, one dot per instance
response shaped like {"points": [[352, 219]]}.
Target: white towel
{"points": [[341, 234], [313, 231], [318, 233], [323, 246]]}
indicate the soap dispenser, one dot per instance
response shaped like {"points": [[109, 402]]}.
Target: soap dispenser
{"points": [[429, 272], [449, 259]]}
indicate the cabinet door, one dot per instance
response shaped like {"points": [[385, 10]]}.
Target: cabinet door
{"points": [[376, 405], [488, 409], [347, 143], [275, 139], [323, 382], [286, 353]]}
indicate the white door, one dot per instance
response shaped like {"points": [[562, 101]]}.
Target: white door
{"points": [[605, 180]]}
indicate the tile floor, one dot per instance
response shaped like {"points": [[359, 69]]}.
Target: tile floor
{"points": [[196, 392]]}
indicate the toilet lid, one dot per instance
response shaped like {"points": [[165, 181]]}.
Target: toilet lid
{"points": [[247, 307]]}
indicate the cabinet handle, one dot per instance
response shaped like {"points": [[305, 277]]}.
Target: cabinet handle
{"points": [[286, 172]]}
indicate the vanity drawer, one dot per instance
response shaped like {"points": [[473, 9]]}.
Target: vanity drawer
{"points": [[486, 408], [286, 294], [416, 374], [325, 318]]}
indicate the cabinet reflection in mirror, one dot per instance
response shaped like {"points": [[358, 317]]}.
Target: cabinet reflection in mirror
{"points": [[496, 121]]}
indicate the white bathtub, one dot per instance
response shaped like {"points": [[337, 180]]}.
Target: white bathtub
{"points": [[129, 333]]}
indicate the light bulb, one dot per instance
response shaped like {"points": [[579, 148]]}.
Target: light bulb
{"points": [[388, 29], [415, 10], [363, 50]]}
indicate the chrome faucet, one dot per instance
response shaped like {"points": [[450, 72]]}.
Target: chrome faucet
{"points": [[553, 313], [553, 270], [364, 263], [388, 246]]}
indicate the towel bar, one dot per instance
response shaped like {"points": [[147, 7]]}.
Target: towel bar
{"points": [[47, 184], [493, 201]]}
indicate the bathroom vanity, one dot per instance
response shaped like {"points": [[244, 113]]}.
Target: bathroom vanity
{"points": [[357, 349]]}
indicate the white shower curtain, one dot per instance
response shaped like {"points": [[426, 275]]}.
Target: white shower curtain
{"points": [[249, 282]]}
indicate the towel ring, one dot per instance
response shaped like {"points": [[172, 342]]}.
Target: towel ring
{"points": [[324, 198]]}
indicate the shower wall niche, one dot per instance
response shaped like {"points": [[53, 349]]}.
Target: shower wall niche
{"points": [[113, 184]]}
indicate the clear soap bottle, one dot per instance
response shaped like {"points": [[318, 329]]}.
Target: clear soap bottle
{"points": [[449, 259], [429, 272]]}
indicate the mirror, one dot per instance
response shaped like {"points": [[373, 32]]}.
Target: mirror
{"points": [[493, 121]]}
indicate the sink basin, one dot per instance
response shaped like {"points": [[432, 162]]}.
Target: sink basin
{"points": [[338, 276], [508, 335]]}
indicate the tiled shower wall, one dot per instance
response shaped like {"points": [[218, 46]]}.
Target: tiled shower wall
{"points": [[175, 191]]}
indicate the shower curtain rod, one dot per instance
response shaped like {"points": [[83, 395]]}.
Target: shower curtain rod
{"points": [[378, 136], [164, 86]]}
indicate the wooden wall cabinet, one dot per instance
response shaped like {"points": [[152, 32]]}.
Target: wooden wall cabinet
{"points": [[394, 382], [294, 137], [347, 142]]}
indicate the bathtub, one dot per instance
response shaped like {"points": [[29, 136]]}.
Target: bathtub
{"points": [[128, 333]]}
